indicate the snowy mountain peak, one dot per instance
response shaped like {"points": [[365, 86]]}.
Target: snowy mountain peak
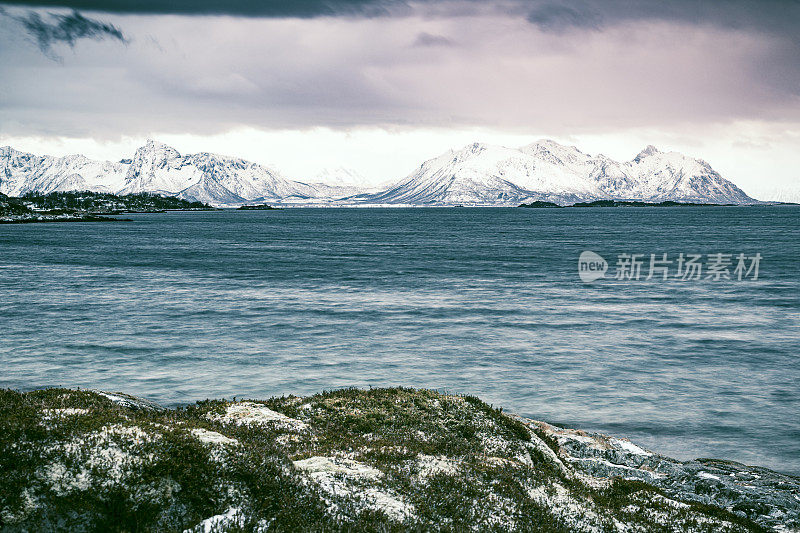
{"points": [[650, 150], [155, 168], [555, 153], [154, 144], [548, 144], [155, 150], [481, 174], [474, 148]]}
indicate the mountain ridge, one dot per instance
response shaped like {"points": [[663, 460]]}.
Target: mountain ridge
{"points": [[481, 174], [477, 174]]}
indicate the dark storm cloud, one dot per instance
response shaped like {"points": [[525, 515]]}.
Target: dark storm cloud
{"points": [[769, 15], [559, 17], [780, 18], [61, 28], [242, 8]]}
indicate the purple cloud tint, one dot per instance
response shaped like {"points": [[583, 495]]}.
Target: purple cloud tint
{"points": [[565, 67]]}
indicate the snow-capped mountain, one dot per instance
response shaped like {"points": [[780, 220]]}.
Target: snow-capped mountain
{"points": [[481, 174], [478, 174], [658, 176], [208, 177], [341, 182], [790, 193], [21, 173], [158, 168], [341, 177]]}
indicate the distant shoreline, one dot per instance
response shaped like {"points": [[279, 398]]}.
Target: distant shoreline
{"points": [[90, 218], [86, 206], [59, 215], [627, 203]]}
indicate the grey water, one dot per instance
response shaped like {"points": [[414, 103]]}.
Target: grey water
{"points": [[178, 307]]}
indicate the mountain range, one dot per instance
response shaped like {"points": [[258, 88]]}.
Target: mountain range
{"points": [[478, 174]]}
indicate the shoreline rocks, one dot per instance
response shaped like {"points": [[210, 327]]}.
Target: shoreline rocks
{"points": [[373, 460]]}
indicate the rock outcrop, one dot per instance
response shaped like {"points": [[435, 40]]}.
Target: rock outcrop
{"points": [[377, 460]]}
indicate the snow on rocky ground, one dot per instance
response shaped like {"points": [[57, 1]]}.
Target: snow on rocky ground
{"points": [[345, 478], [254, 413], [353, 460]]}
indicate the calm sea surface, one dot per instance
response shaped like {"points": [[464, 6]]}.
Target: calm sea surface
{"points": [[178, 307]]}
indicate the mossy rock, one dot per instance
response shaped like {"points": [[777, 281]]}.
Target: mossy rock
{"points": [[349, 460]]}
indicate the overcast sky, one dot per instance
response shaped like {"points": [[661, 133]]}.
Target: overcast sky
{"points": [[379, 86]]}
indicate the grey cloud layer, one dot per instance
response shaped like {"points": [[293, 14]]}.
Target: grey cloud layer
{"points": [[489, 66], [780, 16]]}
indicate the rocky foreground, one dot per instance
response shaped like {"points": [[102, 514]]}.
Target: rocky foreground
{"points": [[377, 460]]}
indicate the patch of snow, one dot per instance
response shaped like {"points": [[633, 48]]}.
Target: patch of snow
{"points": [[62, 480], [672, 503], [28, 506], [494, 445], [247, 413], [577, 514], [394, 507], [49, 414], [130, 402], [114, 398], [212, 437], [95, 451], [327, 465], [346, 478], [135, 433], [630, 447], [708, 475], [430, 465], [231, 517], [591, 441]]}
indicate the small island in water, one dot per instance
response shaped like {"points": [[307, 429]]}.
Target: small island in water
{"points": [[87, 206], [539, 204], [257, 207], [353, 460]]}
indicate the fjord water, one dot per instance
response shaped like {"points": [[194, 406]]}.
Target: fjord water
{"points": [[178, 307]]}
